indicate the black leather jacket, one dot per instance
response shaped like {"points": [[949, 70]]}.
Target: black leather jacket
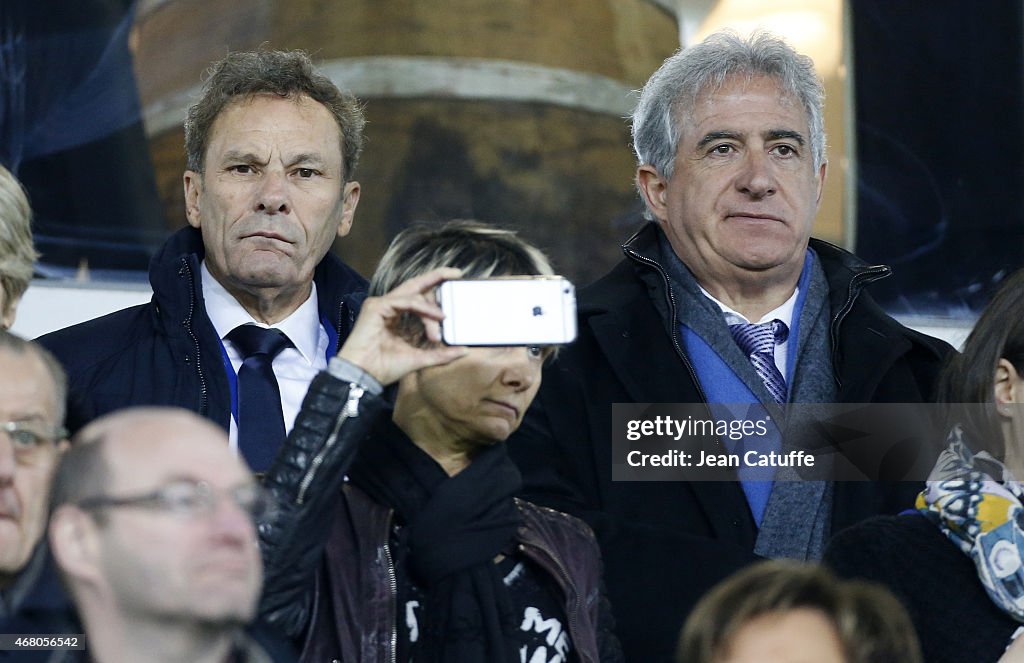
{"points": [[329, 572]]}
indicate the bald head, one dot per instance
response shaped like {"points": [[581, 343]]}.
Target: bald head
{"points": [[153, 521], [138, 448], [13, 347], [153, 425]]}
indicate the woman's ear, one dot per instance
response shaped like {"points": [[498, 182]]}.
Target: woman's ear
{"points": [[1009, 389]]}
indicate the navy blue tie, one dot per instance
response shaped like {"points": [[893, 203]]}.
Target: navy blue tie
{"points": [[260, 419], [758, 343]]}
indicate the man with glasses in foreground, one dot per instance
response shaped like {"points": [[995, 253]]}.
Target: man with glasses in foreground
{"points": [[152, 528], [32, 394]]}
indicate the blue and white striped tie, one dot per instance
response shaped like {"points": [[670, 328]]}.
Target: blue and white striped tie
{"points": [[758, 343]]}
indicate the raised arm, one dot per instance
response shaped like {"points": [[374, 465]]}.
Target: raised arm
{"points": [[340, 407]]}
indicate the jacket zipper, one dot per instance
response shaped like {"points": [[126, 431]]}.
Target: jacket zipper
{"points": [[348, 411], [567, 583], [393, 582], [203, 392], [857, 283], [670, 296], [341, 322]]}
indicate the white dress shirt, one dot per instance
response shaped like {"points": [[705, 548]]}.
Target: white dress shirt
{"points": [[784, 313], [295, 367]]}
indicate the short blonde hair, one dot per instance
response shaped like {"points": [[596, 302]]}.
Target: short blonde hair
{"points": [[480, 250], [17, 253]]}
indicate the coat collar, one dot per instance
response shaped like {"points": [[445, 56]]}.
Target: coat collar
{"points": [[341, 290], [858, 326]]}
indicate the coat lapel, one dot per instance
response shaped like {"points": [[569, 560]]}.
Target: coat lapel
{"points": [[645, 361], [859, 379]]}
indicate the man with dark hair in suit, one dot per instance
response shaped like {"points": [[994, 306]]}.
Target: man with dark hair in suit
{"points": [[248, 303]]}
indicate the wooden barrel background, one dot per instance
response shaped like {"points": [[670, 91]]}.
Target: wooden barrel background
{"points": [[510, 112]]}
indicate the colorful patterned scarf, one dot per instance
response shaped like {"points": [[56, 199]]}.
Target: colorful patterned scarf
{"points": [[976, 503]]}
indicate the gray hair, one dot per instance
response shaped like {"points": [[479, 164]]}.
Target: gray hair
{"points": [[478, 249], [17, 345], [671, 92], [17, 253], [288, 74]]}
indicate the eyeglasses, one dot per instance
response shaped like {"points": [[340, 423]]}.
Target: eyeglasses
{"points": [[191, 499], [30, 438]]}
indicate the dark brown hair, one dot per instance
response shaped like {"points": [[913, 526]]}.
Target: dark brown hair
{"points": [[288, 74], [967, 383], [871, 624]]}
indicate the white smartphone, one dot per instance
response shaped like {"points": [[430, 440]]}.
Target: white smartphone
{"points": [[521, 310]]}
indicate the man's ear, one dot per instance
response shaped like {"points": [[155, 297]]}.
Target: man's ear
{"points": [[654, 188], [1007, 386], [193, 182], [821, 176], [349, 201], [74, 541]]}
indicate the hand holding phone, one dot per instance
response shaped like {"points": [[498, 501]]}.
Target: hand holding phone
{"points": [[521, 310], [382, 348]]}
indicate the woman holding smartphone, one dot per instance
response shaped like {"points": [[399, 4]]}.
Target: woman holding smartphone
{"points": [[400, 537]]}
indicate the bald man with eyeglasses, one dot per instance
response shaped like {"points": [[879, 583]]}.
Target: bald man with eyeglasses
{"points": [[153, 528]]}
